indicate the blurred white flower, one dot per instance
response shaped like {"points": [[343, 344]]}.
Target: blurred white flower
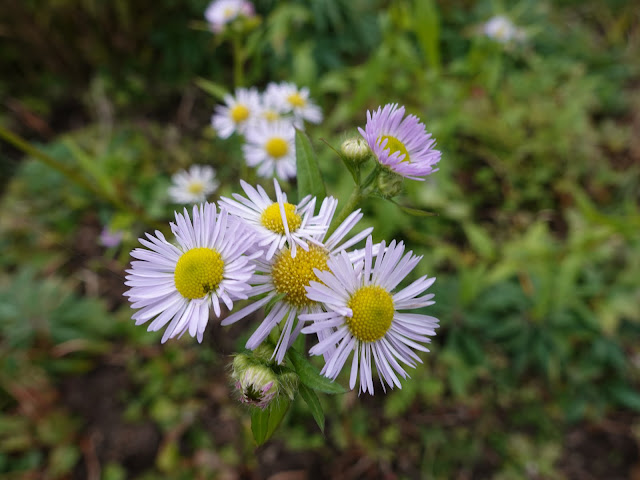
{"points": [[501, 29], [194, 185], [221, 12]]}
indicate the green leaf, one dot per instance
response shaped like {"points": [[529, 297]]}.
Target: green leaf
{"points": [[213, 89], [312, 400], [265, 422], [310, 376], [309, 177], [416, 212]]}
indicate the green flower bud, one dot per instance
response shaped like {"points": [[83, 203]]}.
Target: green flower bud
{"points": [[356, 150], [258, 385], [389, 184]]}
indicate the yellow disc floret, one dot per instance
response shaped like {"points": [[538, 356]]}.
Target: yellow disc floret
{"points": [[296, 100], [277, 147], [239, 113], [272, 219], [394, 145], [290, 275], [372, 308], [198, 272], [195, 188]]}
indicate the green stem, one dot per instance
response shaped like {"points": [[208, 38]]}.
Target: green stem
{"points": [[72, 175], [355, 198], [238, 60], [26, 147]]}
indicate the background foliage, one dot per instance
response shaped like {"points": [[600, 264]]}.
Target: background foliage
{"points": [[534, 372]]}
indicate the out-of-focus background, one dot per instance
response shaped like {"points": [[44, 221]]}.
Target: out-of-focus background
{"points": [[535, 370]]}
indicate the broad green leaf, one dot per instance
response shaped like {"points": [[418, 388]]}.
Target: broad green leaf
{"points": [[309, 177], [265, 422], [213, 89], [310, 376], [312, 400]]}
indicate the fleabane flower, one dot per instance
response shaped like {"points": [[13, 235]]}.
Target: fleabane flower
{"points": [[194, 185], [237, 113], [178, 284], [221, 12], [501, 29], [280, 223], [283, 280], [402, 144], [363, 315], [296, 100], [270, 146]]}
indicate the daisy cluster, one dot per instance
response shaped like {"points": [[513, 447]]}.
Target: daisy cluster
{"points": [[279, 255], [267, 123]]}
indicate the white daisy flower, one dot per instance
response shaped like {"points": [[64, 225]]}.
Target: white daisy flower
{"points": [[221, 12], [503, 30], [271, 147], [271, 108], [290, 98], [280, 223], [178, 284], [193, 186], [283, 279], [363, 315], [237, 113]]}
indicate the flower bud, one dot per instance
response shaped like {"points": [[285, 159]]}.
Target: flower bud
{"points": [[389, 183], [258, 385], [356, 150]]}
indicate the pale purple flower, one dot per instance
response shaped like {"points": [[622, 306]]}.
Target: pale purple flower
{"points": [[110, 238], [400, 143]]}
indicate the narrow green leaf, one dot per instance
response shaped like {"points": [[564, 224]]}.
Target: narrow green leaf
{"points": [[213, 89], [265, 422], [309, 177], [310, 376], [312, 400], [416, 212]]}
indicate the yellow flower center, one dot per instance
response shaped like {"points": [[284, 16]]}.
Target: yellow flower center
{"points": [[198, 272], [277, 147], [296, 100], [272, 219], [271, 115], [372, 308], [239, 113], [394, 145], [195, 188], [291, 275], [228, 13]]}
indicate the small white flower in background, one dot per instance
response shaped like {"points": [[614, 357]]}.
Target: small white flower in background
{"points": [[193, 186], [362, 315], [280, 223], [221, 12], [502, 30], [270, 146], [237, 113], [290, 98], [270, 107], [179, 284]]}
